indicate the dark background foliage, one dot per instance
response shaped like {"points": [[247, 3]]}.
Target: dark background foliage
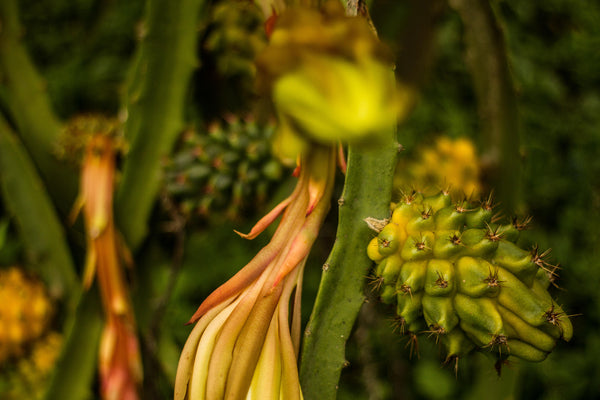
{"points": [[83, 49]]}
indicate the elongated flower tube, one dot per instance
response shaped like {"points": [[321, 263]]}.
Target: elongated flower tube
{"points": [[119, 358], [244, 344]]}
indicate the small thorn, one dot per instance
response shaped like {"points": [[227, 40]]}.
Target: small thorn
{"points": [[441, 282], [437, 331], [413, 342]]}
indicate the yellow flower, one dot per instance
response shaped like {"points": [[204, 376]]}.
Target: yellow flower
{"points": [[331, 99], [330, 80], [25, 311], [448, 163]]}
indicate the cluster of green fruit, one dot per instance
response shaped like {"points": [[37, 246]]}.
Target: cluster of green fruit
{"points": [[227, 170], [453, 271], [236, 34]]}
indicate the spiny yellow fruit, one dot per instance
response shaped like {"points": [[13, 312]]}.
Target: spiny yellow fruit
{"points": [[448, 163], [452, 270], [25, 311]]}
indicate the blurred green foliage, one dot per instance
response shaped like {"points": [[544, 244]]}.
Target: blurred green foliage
{"points": [[83, 49]]}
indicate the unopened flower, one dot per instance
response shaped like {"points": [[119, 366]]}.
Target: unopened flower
{"points": [[120, 365], [330, 80], [243, 344]]}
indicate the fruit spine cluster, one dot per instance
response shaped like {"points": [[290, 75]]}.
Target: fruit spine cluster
{"points": [[454, 272], [228, 169]]}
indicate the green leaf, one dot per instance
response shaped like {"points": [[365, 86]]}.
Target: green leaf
{"points": [[40, 229], [75, 371]]}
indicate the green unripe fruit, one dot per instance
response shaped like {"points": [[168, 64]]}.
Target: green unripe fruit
{"points": [[412, 277], [438, 201], [223, 170], [521, 300], [409, 306], [388, 294], [388, 240], [403, 213], [449, 218], [373, 250], [439, 313], [418, 247], [447, 244], [516, 260], [391, 270], [479, 218], [525, 351], [557, 323], [454, 273], [481, 338], [478, 243], [477, 277], [457, 343], [516, 328], [440, 280], [508, 232], [480, 313], [424, 222]]}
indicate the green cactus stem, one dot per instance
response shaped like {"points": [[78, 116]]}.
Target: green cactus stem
{"points": [[155, 107], [367, 193], [41, 231], [76, 369], [23, 93]]}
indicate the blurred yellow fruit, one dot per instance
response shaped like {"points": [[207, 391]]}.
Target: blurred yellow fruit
{"points": [[25, 311], [447, 164]]}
